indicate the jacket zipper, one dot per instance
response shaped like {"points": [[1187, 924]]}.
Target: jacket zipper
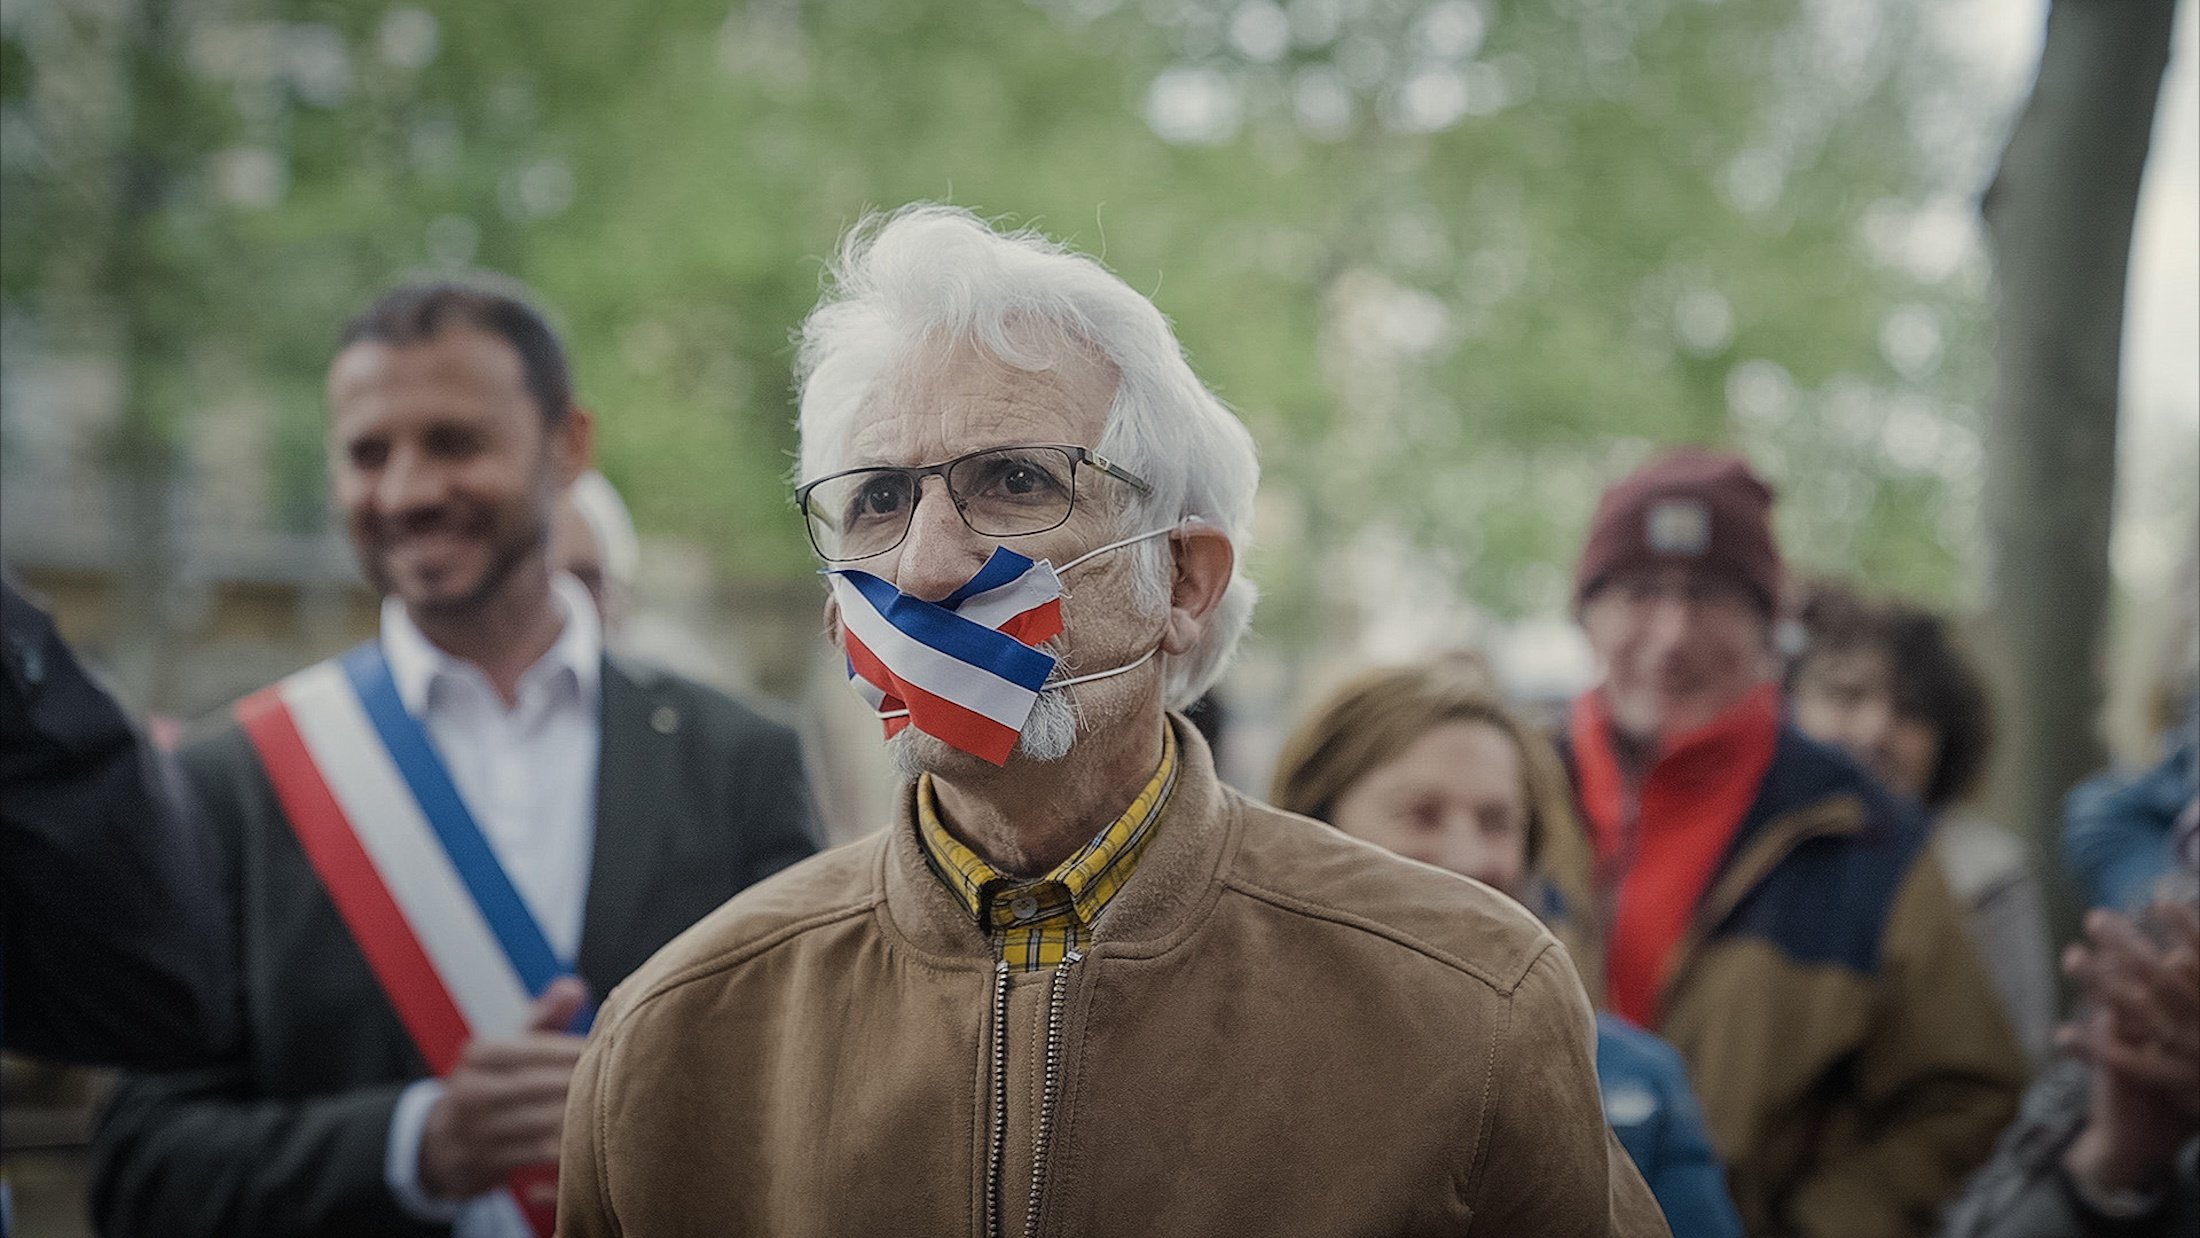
{"points": [[1042, 1136], [999, 1147], [1057, 1000]]}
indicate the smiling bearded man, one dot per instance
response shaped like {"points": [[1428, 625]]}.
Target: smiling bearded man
{"points": [[1078, 986], [430, 842]]}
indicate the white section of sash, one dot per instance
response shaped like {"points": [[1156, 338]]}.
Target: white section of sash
{"points": [[405, 851], [504, 1206], [941, 674], [994, 607]]}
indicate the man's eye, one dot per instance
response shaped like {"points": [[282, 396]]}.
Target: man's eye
{"points": [[367, 455], [454, 441], [878, 498], [1022, 479]]}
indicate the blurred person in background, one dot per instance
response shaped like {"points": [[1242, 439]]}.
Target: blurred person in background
{"points": [[111, 949], [1766, 907], [2117, 824], [1884, 681], [2108, 1144], [594, 542], [435, 847], [1078, 986], [1429, 762]]}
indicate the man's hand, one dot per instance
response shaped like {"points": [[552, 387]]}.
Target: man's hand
{"points": [[504, 1106], [2143, 1039]]}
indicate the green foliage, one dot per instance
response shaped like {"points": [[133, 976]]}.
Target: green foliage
{"points": [[1523, 250]]}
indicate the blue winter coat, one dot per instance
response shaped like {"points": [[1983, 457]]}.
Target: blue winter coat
{"points": [[1650, 1106]]}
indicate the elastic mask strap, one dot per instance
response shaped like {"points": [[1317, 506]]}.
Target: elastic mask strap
{"points": [[1127, 666], [1134, 538], [884, 714]]}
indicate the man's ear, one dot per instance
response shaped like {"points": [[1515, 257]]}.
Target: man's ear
{"points": [[832, 622], [573, 445], [1204, 564]]}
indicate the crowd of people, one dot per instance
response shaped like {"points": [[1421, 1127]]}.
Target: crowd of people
{"points": [[486, 929]]}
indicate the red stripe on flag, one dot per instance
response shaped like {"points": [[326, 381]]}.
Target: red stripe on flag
{"points": [[963, 728], [408, 979], [872, 670], [936, 716], [1036, 626]]}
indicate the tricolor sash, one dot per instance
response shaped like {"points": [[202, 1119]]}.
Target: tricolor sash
{"points": [[448, 936]]}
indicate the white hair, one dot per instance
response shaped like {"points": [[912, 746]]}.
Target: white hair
{"points": [[938, 276], [605, 514]]}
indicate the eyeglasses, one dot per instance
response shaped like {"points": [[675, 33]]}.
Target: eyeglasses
{"points": [[999, 492]]}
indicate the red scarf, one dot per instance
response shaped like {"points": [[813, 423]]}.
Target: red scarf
{"points": [[1691, 803]]}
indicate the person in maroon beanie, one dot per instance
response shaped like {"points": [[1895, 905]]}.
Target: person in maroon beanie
{"points": [[1765, 906]]}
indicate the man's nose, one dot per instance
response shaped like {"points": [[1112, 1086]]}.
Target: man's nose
{"points": [[410, 483], [940, 553], [1873, 722], [1667, 624]]}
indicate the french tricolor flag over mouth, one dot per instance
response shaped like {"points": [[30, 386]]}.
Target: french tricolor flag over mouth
{"points": [[964, 669]]}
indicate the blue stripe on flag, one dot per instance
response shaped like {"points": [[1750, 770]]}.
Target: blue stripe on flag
{"points": [[1003, 566], [416, 758], [951, 634]]}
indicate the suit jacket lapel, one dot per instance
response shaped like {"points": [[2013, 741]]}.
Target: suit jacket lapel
{"points": [[634, 767]]}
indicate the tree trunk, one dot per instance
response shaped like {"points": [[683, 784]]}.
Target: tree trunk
{"points": [[149, 342], [2059, 215]]}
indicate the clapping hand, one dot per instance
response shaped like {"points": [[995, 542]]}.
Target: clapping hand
{"points": [[2141, 1033]]}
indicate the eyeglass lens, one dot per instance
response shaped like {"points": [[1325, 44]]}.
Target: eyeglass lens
{"points": [[1001, 493]]}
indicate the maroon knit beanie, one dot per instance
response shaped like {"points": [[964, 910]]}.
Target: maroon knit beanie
{"points": [[1689, 505]]}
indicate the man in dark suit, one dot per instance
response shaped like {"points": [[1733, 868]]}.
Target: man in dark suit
{"points": [[622, 803]]}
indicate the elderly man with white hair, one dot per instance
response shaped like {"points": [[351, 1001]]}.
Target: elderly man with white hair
{"points": [[1078, 986]]}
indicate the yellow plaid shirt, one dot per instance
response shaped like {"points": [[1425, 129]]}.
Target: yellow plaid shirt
{"points": [[1034, 922]]}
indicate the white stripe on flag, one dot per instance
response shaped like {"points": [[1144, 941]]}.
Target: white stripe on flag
{"points": [[995, 607], [941, 674], [869, 690], [405, 850]]}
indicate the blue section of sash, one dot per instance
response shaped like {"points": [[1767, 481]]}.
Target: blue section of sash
{"points": [[1002, 567], [422, 767], [931, 624]]}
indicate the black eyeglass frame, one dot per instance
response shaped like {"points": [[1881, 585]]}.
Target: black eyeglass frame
{"points": [[1077, 456]]}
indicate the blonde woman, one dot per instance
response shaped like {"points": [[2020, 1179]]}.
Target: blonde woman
{"points": [[1430, 762]]}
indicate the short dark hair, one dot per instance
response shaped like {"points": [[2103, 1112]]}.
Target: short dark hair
{"points": [[416, 313], [1932, 680]]}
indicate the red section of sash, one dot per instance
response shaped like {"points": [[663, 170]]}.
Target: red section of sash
{"points": [[936, 716], [407, 977], [536, 1189]]}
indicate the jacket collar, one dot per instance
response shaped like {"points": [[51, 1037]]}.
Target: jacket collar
{"points": [[1176, 881]]}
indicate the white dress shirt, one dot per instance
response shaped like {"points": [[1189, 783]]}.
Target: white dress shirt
{"points": [[528, 776]]}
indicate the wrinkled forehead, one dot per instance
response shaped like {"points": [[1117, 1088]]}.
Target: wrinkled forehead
{"points": [[934, 400]]}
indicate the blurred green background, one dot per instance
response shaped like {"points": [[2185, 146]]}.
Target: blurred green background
{"points": [[1457, 262]]}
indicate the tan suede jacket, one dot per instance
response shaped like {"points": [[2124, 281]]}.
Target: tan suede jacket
{"points": [[1276, 1030]]}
